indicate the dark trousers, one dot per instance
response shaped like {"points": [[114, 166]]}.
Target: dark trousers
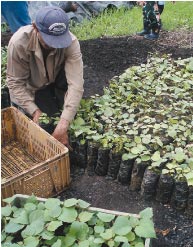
{"points": [[149, 16], [50, 99]]}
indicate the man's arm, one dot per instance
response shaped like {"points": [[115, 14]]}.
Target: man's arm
{"points": [[18, 74], [74, 75]]}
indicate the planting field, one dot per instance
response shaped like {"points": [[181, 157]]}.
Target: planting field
{"points": [[103, 59]]}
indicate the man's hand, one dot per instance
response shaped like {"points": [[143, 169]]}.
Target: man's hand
{"points": [[61, 132], [36, 116]]}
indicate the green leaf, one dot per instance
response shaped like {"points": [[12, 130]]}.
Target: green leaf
{"points": [[121, 239], [68, 215], [146, 213], [85, 216], [36, 215], [145, 229], [32, 199], [10, 245], [6, 211], [121, 225], [137, 139], [111, 243], [22, 218], [93, 221], [171, 166], [52, 202], [158, 141], [70, 202], [108, 112], [105, 217], [133, 221], [9, 200], [125, 115], [41, 206], [172, 133], [126, 245], [189, 178], [145, 157], [165, 171], [98, 241], [129, 156], [79, 229], [84, 243], [179, 156], [83, 204], [47, 235], [139, 245], [99, 229], [55, 211], [156, 156], [58, 243], [47, 216], [130, 236], [135, 150], [51, 241], [189, 66], [108, 234], [34, 228], [146, 139], [12, 227], [31, 241], [69, 240], [30, 206], [79, 121], [53, 225]]}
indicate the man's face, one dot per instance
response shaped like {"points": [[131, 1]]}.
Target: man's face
{"points": [[44, 45]]}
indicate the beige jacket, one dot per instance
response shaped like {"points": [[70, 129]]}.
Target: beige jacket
{"points": [[26, 72]]}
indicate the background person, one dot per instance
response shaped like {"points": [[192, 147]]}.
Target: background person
{"points": [[16, 14], [45, 69], [151, 20]]}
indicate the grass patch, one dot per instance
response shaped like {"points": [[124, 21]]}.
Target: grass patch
{"points": [[127, 22], [178, 15]]}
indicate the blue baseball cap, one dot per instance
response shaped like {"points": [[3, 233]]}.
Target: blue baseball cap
{"points": [[53, 24]]}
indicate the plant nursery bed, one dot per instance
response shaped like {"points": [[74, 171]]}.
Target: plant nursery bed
{"points": [[72, 223], [111, 57]]}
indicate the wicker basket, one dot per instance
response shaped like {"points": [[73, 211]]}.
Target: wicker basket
{"points": [[32, 161]]}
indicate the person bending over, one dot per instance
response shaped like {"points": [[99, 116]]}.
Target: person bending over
{"points": [[45, 69]]}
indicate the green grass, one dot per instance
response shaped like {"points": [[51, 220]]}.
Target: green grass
{"points": [[178, 15], [127, 22]]}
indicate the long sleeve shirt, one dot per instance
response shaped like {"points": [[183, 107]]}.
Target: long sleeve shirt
{"points": [[26, 72]]}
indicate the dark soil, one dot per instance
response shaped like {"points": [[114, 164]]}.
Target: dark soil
{"points": [[105, 58]]}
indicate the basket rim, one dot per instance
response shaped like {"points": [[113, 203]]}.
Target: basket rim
{"points": [[13, 108]]}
